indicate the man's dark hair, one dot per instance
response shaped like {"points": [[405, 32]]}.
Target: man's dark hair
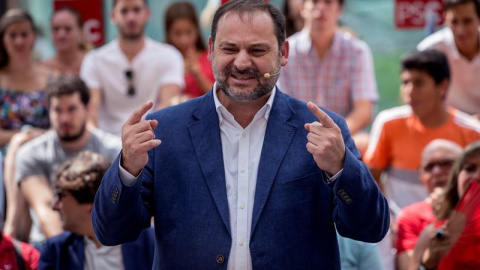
{"points": [[432, 62], [81, 176], [250, 6], [116, 1], [68, 85], [449, 4]]}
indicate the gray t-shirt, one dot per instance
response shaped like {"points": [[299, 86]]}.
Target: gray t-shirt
{"points": [[44, 155]]}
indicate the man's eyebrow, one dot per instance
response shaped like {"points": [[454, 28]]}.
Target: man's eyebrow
{"points": [[226, 43]]}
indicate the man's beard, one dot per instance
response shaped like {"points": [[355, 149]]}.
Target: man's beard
{"points": [[264, 87], [73, 137], [130, 36]]}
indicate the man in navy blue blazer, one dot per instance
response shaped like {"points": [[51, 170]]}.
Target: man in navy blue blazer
{"points": [[245, 177], [78, 248]]}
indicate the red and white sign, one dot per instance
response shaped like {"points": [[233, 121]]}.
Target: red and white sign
{"points": [[410, 14], [92, 14]]}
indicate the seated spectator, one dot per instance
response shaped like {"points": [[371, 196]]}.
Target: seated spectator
{"points": [[38, 160], [330, 67], [431, 250], [24, 113], [78, 248], [437, 160], [400, 134], [183, 32], [131, 69], [460, 41], [66, 27]]}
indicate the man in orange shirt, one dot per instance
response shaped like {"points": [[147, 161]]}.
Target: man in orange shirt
{"points": [[399, 134]]}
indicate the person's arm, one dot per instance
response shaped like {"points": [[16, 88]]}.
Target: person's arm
{"points": [[404, 259], [39, 195], [167, 94], [94, 106], [376, 173], [356, 194], [17, 220], [6, 135], [193, 66], [118, 206], [360, 116], [89, 74]]}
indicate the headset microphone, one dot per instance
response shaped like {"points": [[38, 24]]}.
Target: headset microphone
{"points": [[268, 75]]}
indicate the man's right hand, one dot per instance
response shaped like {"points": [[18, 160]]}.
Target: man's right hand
{"points": [[138, 137]]}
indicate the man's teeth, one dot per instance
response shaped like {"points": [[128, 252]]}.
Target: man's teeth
{"points": [[242, 76]]}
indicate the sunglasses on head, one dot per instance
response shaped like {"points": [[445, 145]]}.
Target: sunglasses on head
{"points": [[130, 88], [442, 164]]}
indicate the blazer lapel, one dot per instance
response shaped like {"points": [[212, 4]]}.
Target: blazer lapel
{"points": [[205, 135], [278, 136]]}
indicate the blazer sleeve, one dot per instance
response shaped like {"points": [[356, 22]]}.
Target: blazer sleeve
{"points": [[360, 209], [120, 212]]}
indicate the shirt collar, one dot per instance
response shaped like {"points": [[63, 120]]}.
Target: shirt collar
{"points": [[305, 44], [222, 111]]}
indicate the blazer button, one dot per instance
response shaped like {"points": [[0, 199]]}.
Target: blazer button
{"points": [[220, 259], [341, 192]]}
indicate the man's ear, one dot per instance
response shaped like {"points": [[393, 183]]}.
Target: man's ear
{"points": [[285, 50], [443, 88], [210, 49]]}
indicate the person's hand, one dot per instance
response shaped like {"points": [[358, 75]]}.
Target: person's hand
{"points": [[439, 245], [138, 137], [325, 141], [191, 64]]}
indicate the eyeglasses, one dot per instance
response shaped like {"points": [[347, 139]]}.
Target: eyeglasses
{"points": [[131, 88], [442, 164]]}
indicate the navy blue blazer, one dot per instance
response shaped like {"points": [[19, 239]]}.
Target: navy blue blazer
{"points": [[183, 187], [66, 251]]}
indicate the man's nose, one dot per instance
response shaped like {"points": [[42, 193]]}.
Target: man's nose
{"points": [[242, 60]]}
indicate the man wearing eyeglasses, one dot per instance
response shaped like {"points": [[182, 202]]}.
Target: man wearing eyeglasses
{"points": [[78, 248], [131, 69], [437, 160]]}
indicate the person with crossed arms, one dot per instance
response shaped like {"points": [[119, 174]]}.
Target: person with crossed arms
{"points": [[245, 177]]}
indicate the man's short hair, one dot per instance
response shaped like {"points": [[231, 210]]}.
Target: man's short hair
{"points": [[116, 1], [81, 176], [430, 61], [241, 7], [449, 4], [68, 85]]}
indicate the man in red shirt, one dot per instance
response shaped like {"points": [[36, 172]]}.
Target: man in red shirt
{"points": [[436, 161]]}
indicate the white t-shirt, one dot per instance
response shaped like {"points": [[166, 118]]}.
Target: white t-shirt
{"points": [[102, 257], [155, 65], [464, 91]]}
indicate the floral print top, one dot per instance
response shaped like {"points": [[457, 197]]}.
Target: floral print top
{"points": [[20, 108]]}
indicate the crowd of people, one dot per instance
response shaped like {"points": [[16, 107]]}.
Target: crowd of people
{"points": [[234, 176]]}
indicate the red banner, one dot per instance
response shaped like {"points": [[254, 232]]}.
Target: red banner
{"points": [[92, 14], [410, 14]]}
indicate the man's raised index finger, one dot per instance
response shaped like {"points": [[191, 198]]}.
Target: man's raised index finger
{"points": [[321, 115], [138, 114]]}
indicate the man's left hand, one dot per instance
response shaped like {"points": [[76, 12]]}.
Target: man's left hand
{"points": [[325, 141]]}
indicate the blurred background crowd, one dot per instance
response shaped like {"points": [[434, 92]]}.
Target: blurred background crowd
{"points": [[404, 74]]}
